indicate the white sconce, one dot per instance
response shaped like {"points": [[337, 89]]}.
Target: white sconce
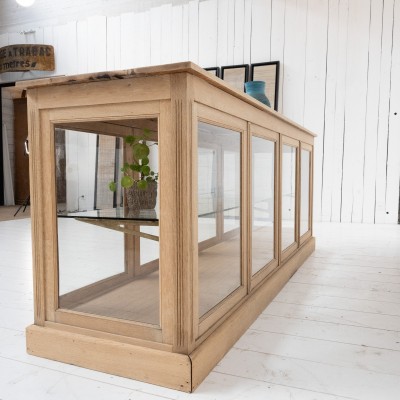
{"points": [[25, 3]]}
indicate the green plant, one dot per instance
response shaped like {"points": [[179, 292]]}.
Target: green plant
{"points": [[138, 172]]}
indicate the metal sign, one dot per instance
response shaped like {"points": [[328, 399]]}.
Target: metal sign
{"points": [[26, 57]]}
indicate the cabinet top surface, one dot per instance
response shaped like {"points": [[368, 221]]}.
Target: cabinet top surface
{"points": [[166, 69]]}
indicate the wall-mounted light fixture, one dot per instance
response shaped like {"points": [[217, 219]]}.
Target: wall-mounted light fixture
{"points": [[25, 3]]}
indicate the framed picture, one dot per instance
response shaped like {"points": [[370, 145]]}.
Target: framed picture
{"points": [[236, 75], [269, 73], [214, 70]]}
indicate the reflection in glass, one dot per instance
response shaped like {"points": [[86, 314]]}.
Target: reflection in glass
{"points": [[105, 267], [288, 195], [207, 192], [305, 192], [219, 184], [231, 195], [263, 202]]}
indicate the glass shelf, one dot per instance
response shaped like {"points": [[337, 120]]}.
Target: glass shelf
{"points": [[118, 213]]}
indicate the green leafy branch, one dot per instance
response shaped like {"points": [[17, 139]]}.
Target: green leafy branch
{"points": [[140, 163]]}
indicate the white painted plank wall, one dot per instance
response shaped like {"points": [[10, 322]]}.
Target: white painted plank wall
{"points": [[339, 74]]}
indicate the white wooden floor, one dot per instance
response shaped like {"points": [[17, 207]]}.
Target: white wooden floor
{"points": [[332, 333]]}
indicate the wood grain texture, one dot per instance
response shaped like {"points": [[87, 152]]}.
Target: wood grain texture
{"points": [[169, 369]]}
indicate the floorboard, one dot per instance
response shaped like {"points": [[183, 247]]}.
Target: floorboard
{"points": [[333, 332]]}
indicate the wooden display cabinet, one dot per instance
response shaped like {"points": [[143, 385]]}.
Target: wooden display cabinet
{"points": [[160, 295]]}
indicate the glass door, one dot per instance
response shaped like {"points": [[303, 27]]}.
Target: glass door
{"points": [[264, 253], [305, 191], [289, 189]]}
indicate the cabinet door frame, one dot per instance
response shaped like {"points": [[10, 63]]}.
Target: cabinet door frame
{"points": [[288, 251], [202, 323], [308, 233], [267, 134], [42, 170]]}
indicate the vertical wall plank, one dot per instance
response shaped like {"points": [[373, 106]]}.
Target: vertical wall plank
{"points": [[315, 86], [384, 109], [393, 160], [127, 48], [294, 59], [82, 46], [329, 112], [208, 32], [97, 43], [177, 53], [278, 41], [340, 97], [141, 39], [114, 43], [231, 32], [247, 28], [155, 35], [222, 39], [238, 49], [355, 109], [194, 31], [65, 49], [371, 118], [260, 42], [166, 33], [185, 31]]}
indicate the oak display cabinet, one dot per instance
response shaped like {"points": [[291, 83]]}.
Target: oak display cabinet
{"points": [[160, 295]]}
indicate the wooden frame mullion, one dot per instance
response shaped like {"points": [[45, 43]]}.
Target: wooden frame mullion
{"points": [[264, 133], [287, 252], [308, 233]]}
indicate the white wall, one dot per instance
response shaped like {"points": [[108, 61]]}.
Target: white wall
{"points": [[340, 74]]}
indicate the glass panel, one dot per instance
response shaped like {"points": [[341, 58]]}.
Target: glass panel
{"points": [[288, 195], [219, 259], [305, 192], [106, 266], [231, 195], [263, 170], [207, 192]]}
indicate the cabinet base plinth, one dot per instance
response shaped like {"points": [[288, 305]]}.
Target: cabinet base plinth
{"points": [[159, 367], [172, 370]]}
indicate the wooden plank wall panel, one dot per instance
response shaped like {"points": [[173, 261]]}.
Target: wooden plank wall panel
{"points": [[222, 33], [114, 43], [208, 33], [238, 47], [355, 109], [166, 34], [231, 33], [393, 159], [339, 70], [260, 28], [329, 112], [371, 115], [295, 59], [141, 39], [82, 46], [193, 31], [178, 47], [97, 44], [340, 96], [384, 109], [315, 86], [278, 42], [247, 32], [127, 29]]}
